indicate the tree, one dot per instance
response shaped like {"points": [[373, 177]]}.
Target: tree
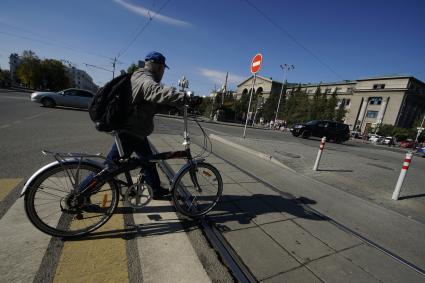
{"points": [[5, 80], [29, 71], [132, 68], [270, 106], [297, 107], [53, 75], [331, 104]]}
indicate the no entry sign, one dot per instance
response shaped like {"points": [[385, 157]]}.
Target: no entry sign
{"points": [[256, 63]]}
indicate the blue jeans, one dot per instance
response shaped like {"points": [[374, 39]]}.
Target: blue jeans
{"points": [[131, 144]]}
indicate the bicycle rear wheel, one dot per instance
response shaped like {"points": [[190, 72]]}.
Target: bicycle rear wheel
{"points": [[197, 189], [53, 206]]}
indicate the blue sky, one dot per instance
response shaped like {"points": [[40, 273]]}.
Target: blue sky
{"points": [[326, 40]]}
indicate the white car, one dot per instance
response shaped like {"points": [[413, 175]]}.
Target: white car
{"points": [[72, 97], [387, 140], [375, 138]]}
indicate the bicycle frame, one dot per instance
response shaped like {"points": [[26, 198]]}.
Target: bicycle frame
{"points": [[126, 165]]}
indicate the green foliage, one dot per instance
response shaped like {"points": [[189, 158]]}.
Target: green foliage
{"points": [[270, 106], [53, 75], [397, 132], [297, 107], [48, 73], [5, 80], [132, 68], [29, 71]]}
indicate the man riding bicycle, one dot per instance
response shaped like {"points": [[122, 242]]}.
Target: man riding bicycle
{"points": [[148, 95]]}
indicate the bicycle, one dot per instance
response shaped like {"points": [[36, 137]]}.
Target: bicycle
{"points": [[58, 204]]}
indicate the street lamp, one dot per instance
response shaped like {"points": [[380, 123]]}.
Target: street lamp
{"points": [[285, 68], [183, 83], [420, 129]]}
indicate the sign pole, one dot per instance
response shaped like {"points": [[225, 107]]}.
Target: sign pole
{"points": [[249, 104]]}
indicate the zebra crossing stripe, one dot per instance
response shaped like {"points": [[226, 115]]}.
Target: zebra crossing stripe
{"points": [[6, 185]]}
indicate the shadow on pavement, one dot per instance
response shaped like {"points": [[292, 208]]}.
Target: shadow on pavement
{"points": [[412, 196], [261, 209], [335, 170]]}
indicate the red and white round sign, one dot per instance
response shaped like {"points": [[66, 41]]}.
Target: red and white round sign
{"points": [[256, 63]]}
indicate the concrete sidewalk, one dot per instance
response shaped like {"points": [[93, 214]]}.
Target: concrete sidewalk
{"points": [[280, 238]]}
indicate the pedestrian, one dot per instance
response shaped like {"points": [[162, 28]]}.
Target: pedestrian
{"points": [[271, 125], [149, 95]]}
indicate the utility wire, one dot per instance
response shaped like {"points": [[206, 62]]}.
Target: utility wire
{"points": [[53, 44], [151, 18], [293, 38]]}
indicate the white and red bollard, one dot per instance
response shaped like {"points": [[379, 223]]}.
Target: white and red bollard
{"points": [[403, 172], [319, 154]]}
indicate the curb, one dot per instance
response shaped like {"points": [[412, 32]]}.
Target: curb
{"points": [[206, 120], [250, 151]]}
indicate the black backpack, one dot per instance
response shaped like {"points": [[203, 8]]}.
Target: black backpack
{"points": [[112, 104]]}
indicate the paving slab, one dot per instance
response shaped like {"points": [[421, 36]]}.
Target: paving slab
{"points": [[241, 177], [263, 256], [228, 217], [260, 211], [299, 275], [297, 241], [232, 191], [336, 268], [329, 233], [381, 266], [259, 188], [290, 208]]}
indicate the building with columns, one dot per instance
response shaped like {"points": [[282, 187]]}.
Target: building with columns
{"points": [[393, 100]]}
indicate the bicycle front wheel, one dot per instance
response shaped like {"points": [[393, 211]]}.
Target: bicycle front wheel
{"points": [[53, 205], [197, 189]]}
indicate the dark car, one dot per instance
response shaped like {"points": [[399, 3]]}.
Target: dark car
{"points": [[337, 132]]}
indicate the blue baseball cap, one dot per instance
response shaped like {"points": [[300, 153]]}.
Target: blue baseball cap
{"points": [[156, 57]]}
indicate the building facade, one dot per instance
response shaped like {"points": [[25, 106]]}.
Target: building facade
{"points": [[80, 79], [393, 100], [14, 62]]}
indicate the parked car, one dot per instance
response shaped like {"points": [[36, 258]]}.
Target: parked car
{"points": [[356, 135], [388, 140], [421, 151], [72, 97], [337, 132], [409, 143], [375, 138]]}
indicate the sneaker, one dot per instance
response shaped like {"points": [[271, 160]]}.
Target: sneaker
{"points": [[160, 194]]}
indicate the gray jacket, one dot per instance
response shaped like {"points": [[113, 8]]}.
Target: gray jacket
{"points": [[147, 94]]}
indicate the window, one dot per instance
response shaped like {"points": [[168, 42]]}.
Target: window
{"points": [[328, 90], [371, 114], [375, 100], [344, 102], [378, 86], [349, 89]]}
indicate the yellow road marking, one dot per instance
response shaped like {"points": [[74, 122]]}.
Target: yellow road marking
{"points": [[102, 259], [6, 185]]}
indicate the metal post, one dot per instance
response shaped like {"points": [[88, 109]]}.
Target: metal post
{"points": [[420, 129], [286, 68], [403, 172], [249, 105], [319, 154]]}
